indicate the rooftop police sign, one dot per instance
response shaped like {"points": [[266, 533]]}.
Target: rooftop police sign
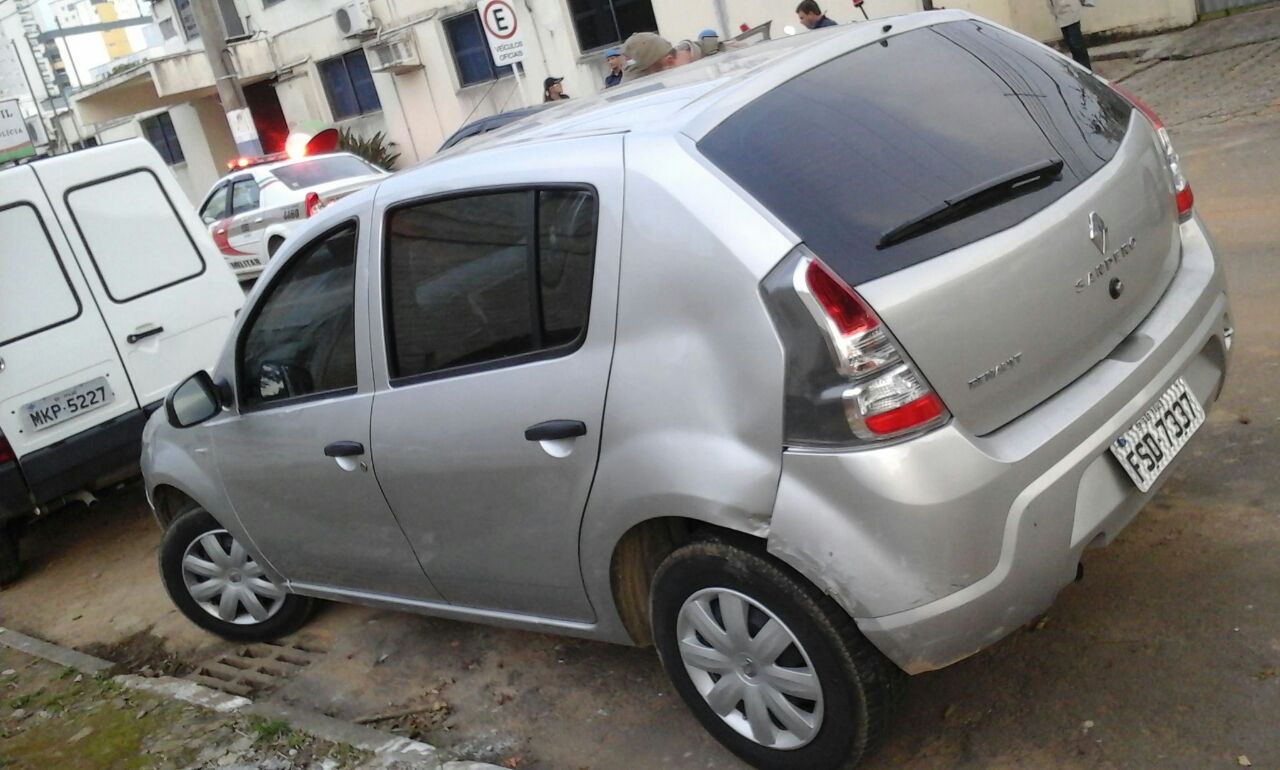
{"points": [[15, 142], [503, 30]]}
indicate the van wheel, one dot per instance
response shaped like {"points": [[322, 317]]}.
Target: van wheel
{"points": [[10, 559], [273, 246], [770, 666], [217, 584]]}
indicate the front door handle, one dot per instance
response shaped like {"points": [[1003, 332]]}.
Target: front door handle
{"points": [[344, 449], [142, 335], [555, 429]]}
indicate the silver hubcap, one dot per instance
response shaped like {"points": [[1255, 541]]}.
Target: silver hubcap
{"points": [[750, 668], [226, 582]]}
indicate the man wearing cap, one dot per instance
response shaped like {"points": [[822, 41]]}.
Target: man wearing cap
{"points": [[649, 53], [616, 62], [709, 41], [552, 90]]}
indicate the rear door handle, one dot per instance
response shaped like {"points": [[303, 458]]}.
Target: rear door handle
{"points": [[257, 220], [555, 429], [142, 335], [344, 449]]}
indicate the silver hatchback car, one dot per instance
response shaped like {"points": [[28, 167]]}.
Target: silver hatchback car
{"points": [[810, 364]]}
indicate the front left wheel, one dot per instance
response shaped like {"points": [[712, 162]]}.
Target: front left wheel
{"points": [[216, 583]]}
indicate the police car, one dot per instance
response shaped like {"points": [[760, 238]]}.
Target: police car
{"points": [[251, 210]]}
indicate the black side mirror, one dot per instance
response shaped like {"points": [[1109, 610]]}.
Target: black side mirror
{"points": [[193, 402]]}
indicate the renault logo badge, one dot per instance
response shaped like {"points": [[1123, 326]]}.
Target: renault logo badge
{"points": [[1098, 232]]}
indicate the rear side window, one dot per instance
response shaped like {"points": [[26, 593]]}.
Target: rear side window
{"points": [[137, 248], [869, 141], [487, 278], [309, 173], [301, 341], [34, 293]]}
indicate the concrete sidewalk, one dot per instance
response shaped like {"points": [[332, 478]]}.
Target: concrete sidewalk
{"points": [[1258, 25]]}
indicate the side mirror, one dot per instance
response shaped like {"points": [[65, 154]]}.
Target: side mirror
{"points": [[193, 402]]}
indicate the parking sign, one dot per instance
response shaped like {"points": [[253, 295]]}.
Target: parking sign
{"points": [[504, 32]]}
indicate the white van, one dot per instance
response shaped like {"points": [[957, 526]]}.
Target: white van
{"points": [[111, 291]]}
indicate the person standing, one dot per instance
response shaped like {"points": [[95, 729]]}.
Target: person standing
{"points": [[812, 16], [616, 62], [1067, 15], [649, 53], [553, 90]]}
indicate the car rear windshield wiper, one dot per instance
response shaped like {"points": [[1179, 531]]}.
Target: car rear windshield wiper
{"points": [[973, 200]]}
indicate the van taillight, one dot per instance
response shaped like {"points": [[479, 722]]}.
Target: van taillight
{"points": [[848, 382], [6, 451], [1186, 200], [313, 204]]}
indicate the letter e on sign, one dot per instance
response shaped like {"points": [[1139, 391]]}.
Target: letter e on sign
{"points": [[503, 31]]}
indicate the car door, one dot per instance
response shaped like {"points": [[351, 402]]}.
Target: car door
{"points": [[293, 457], [497, 331], [168, 301], [247, 222], [52, 337]]}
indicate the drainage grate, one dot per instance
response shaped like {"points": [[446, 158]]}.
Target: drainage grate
{"points": [[255, 668]]}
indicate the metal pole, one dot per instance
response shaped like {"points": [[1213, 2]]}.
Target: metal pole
{"points": [[74, 69], [722, 18], [214, 35], [50, 137]]}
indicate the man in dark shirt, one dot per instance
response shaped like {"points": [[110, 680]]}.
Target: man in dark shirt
{"points": [[616, 64], [812, 16]]}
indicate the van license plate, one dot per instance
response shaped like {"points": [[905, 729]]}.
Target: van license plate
{"points": [[60, 407], [1147, 448]]}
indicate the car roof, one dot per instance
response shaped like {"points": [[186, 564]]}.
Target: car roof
{"points": [[694, 98], [262, 169]]}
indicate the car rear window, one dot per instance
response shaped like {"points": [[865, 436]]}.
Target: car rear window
{"points": [[873, 139], [309, 173]]}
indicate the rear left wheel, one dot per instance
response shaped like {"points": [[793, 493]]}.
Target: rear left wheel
{"points": [[219, 586], [774, 669]]}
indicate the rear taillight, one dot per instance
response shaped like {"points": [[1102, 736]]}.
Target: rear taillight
{"points": [[313, 204], [6, 451], [1186, 200], [848, 382]]}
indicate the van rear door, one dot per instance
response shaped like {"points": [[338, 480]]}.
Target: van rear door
{"points": [[59, 371], [168, 297]]}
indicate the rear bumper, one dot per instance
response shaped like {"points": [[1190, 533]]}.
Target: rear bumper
{"points": [[98, 455], [943, 545]]}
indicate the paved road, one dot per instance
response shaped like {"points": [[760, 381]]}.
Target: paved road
{"points": [[1167, 655]]}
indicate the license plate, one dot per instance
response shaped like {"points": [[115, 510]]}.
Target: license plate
{"points": [[1146, 449], [60, 407]]}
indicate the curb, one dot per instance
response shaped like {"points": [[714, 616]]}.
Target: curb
{"points": [[390, 752]]}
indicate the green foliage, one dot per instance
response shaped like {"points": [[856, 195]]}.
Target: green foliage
{"points": [[268, 730], [374, 149]]}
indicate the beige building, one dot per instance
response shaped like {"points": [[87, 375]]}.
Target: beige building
{"points": [[419, 69]]}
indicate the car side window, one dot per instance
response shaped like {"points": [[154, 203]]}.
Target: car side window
{"points": [[498, 277], [244, 196], [216, 207], [300, 340]]}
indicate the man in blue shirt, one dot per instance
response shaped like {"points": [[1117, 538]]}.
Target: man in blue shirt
{"points": [[616, 64], [812, 16]]}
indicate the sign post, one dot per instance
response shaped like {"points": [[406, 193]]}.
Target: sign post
{"points": [[506, 38], [15, 141]]}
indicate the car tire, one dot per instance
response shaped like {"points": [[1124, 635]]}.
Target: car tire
{"points": [[10, 558], [732, 582], [218, 586]]}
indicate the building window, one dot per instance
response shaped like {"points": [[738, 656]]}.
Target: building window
{"points": [[604, 22], [349, 84], [471, 54], [159, 131], [188, 18]]}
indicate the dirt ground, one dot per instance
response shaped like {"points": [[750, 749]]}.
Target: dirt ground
{"points": [[1167, 655], [53, 718]]}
